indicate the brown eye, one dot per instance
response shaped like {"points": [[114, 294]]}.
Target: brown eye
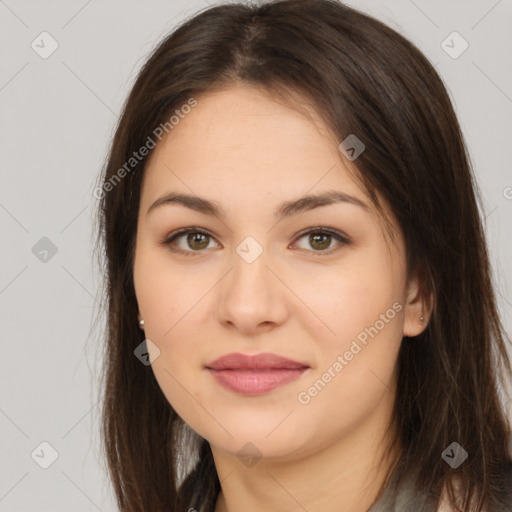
{"points": [[188, 241], [320, 240], [197, 241]]}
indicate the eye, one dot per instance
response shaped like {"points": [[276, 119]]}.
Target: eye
{"points": [[194, 240], [320, 239], [188, 241]]}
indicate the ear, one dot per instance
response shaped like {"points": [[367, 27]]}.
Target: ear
{"points": [[418, 305]]}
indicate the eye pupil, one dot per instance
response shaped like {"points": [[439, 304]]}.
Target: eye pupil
{"points": [[314, 238], [200, 238]]}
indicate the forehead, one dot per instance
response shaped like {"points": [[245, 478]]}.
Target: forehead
{"points": [[242, 135]]}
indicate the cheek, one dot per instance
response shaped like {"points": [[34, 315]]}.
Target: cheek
{"points": [[168, 299], [175, 374], [357, 353], [341, 301], [166, 293], [354, 377]]}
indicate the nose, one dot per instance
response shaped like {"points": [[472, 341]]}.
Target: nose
{"points": [[252, 297]]}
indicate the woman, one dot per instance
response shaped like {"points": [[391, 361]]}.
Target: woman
{"points": [[301, 314]]}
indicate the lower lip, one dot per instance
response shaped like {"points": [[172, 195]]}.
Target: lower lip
{"points": [[255, 382]]}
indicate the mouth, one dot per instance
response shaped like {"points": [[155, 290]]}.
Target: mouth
{"points": [[255, 375]]}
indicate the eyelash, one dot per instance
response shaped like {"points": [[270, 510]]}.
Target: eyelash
{"points": [[343, 239]]}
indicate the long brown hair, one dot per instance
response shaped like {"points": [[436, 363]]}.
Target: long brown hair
{"points": [[364, 79]]}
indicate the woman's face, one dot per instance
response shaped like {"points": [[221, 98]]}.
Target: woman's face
{"points": [[266, 279]]}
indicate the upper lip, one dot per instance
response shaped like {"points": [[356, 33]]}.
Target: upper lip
{"points": [[256, 362]]}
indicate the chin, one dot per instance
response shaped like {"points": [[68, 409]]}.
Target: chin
{"points": [[255, 438]]}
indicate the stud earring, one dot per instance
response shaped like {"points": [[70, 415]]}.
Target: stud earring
{"points": [[141, 324]]}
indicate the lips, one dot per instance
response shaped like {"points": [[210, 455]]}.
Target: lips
{"points": [[257, 362], [254, 375]]}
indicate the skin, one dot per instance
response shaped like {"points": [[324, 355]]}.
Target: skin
{"points": [[251, 152]]}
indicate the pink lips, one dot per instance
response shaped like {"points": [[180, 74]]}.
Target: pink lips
{"points": [[255, 375]]}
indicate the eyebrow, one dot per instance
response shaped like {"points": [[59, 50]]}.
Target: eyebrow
{"points": [[286, 209]]}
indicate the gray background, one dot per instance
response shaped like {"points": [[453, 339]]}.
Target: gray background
{"points": [[57, 117]]}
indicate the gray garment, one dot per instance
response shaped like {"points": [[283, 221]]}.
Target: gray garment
{"points": [[409, 500], [405, 500]]}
